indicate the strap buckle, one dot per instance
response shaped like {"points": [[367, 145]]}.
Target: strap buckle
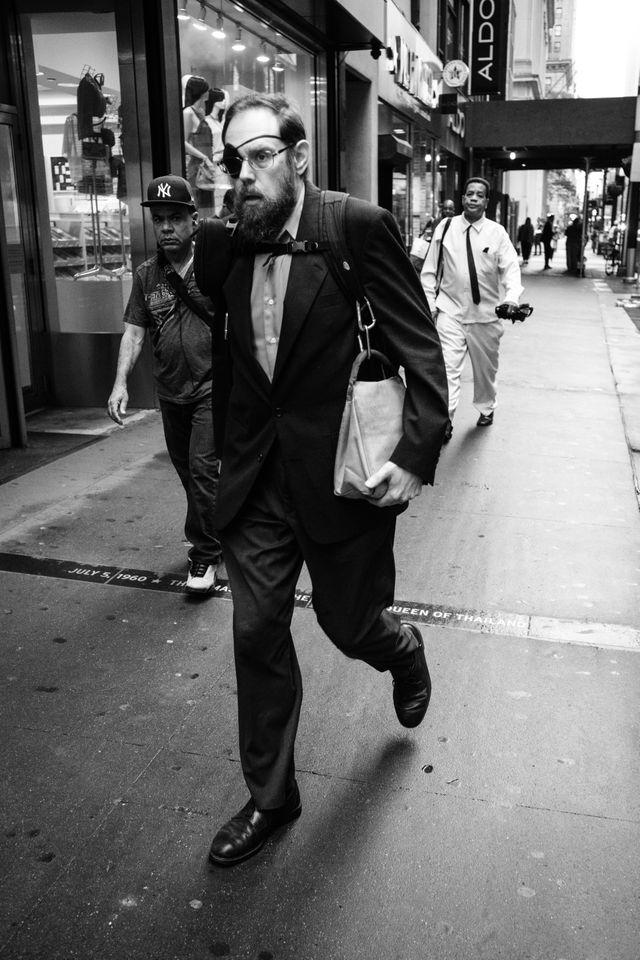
{"points": [[363, 327]]}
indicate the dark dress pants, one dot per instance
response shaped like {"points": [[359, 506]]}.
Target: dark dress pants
{"points": [[188, 433], [352, 581]]}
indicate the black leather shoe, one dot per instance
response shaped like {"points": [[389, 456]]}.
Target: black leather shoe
{"points": [[485, 419], [412, 684], [247, 832]]}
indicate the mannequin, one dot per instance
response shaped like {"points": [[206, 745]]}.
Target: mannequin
{"points": [[198, 137], [217, 104]]}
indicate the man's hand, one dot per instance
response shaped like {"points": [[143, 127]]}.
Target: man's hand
{"points": [[392, 485], [117, 404]]}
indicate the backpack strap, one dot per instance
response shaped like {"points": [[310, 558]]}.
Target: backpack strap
{"points": [[213, 253], [332, 228]]}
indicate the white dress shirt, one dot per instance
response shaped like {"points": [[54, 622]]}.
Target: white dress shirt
{"points": [[270, 279], [496, 263]]}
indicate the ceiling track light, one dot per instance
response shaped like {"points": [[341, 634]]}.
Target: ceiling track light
{"points": [[238, 45], [219, 32], [200, 23], [263, 56], [182, 12]]}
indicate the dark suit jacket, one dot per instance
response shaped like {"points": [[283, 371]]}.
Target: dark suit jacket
{"points": [[302, 407]]}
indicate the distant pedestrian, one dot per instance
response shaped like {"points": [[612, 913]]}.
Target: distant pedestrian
{"points": [[471, 267], [525, 240], [548, 237], [537, 239], [420, 245], [181, 338], [573, 236]]}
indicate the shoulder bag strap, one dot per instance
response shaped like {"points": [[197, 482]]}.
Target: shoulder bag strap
{"points": [[440, 266], [175, 280]]}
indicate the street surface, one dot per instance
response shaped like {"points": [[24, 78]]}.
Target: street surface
{"points": [[506, 827]]}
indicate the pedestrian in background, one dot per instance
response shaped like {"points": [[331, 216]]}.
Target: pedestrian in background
{"points": [[525, 240], [470, 268], [420, 245], [573, 237], [292, 343], [537, 239], [179, 326], [548, 240]]}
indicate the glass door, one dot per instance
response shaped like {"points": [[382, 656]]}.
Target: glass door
{"points": [[24, 358]]}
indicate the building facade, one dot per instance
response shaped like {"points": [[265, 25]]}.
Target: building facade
{"points": [[91, 108]]}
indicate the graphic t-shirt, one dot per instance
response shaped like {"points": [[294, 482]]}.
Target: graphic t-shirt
{"points": [[181, 341]]}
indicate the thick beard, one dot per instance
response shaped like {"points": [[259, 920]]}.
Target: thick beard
{"points": [[264, 221]]}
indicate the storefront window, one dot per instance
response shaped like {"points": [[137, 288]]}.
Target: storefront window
{"points": [[448, 178], [424, 165], [395, 154], [78, 84], [236, 54]]}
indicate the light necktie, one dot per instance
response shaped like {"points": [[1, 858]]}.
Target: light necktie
{"points": [[473, 276]]}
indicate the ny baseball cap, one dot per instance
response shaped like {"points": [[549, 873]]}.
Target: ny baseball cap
{"points": [[169, 189]]}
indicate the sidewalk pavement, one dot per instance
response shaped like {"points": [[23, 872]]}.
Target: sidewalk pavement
{"points": [[505, 827]]}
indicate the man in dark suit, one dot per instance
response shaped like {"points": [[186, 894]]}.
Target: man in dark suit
{"points": [[291, 344]]}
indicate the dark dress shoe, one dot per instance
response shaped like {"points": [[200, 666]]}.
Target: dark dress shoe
{"points": [[485, 419], [247, 832], [412, 684]]}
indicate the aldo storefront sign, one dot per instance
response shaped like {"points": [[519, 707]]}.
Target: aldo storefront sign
{"points": [[489, 33]]}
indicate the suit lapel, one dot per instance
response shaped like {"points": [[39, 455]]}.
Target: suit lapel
{"points": [[306, 276]]}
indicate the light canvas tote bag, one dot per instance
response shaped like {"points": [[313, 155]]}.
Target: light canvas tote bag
{"points": [[371, 426]]}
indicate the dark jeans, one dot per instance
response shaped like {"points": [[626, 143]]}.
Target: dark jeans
{"points": [[188, 431], [548, 254], [353, 582]]}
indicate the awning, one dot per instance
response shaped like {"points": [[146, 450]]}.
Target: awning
{"points": [[393, 150], [551, 134]]}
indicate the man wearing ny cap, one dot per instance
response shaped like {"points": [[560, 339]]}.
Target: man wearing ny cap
{"points": [[166, 302], [470, 268]]}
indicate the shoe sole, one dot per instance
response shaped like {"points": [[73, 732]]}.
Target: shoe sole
{"points": [[203, 591], [231, 862]]}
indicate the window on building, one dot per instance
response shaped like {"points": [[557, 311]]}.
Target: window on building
{"points": [[244, 55], [453, 29]]}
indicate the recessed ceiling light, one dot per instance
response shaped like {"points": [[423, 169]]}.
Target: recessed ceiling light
{"points": [[238, 45], [263, 56], [219, 32], [200, 23]]}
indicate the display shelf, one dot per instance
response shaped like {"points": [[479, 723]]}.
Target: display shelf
{"points": [[75, 244]]}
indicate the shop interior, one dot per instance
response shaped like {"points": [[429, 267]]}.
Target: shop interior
{"points": [[83, 153]]}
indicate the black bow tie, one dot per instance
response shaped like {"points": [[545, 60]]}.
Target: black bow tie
{"points": [[285, 247]]}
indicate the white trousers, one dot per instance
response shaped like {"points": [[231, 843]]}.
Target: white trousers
{"points": [[482, 342]]}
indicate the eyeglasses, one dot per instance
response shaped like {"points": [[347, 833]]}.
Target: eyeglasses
{"points": [[261, 158]]}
